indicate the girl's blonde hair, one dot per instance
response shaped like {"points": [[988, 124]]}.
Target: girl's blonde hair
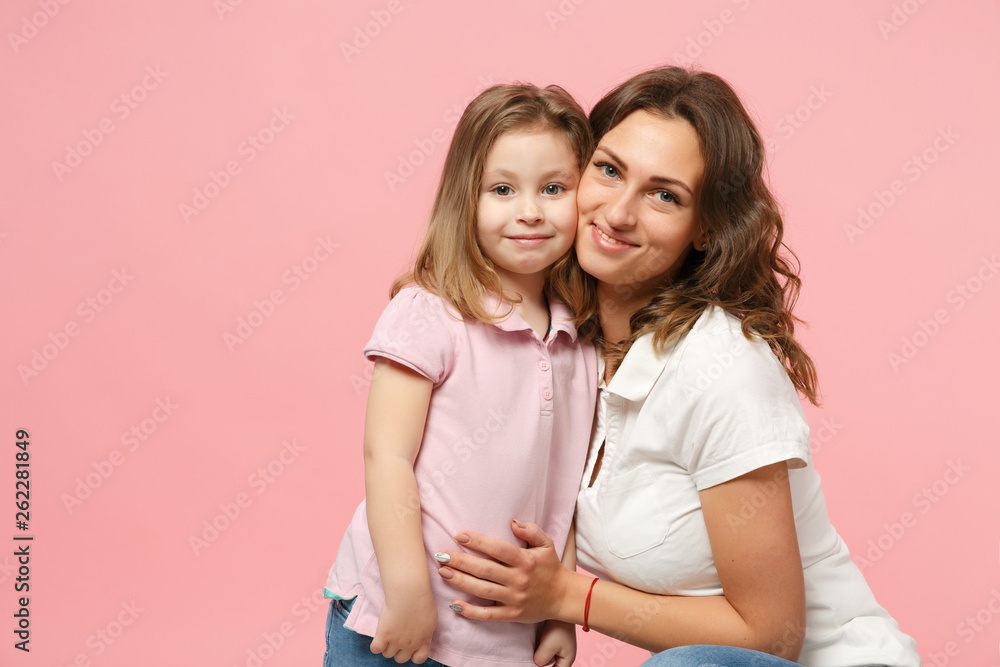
{"points": [[451, 263], [746, 269]]}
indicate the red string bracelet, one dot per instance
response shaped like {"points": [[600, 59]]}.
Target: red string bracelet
{"points": [[586, 607]]}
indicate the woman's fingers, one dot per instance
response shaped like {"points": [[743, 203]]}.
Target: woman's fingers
{"points": [[531, 533], [499, 550], [476, 566], [476, 613], [495, 548], [473, 585]]}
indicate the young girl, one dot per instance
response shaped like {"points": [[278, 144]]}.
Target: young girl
{"points": [[482, 397]]}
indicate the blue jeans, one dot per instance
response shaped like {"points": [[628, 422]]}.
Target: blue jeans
{"points": [[715, 656], [347, 648]]}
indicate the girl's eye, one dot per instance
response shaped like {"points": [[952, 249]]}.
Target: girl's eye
{"points": [[502, 190], [553, 189], [667, 197], [607, 169]]}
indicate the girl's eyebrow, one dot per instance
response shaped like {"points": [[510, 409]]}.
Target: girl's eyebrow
{"points": [[655, 179], [558, 172]]}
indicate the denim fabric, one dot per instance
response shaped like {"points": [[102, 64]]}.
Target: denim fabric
{"points": [[715, 656], [347, 648]]}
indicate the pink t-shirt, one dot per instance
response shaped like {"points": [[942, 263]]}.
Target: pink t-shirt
{"points": [[506, 438]]}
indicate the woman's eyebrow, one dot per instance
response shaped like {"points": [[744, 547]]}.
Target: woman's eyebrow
{"points": [[613, 156], [655, 179]]}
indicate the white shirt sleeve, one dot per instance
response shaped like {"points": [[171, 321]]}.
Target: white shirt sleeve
{"points": [[744, 412]]}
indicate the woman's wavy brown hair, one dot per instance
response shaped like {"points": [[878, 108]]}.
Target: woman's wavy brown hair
{"points": [[451, 263], [744, 269]]}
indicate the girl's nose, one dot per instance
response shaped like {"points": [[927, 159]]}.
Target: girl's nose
{"points": [[530, 212]]}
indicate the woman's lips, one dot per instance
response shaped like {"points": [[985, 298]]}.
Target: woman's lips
{"points": [[607, 242]]}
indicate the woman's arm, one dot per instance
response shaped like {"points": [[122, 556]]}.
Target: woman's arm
{"points": [[569, 553], [756, 555], [394, 424]]}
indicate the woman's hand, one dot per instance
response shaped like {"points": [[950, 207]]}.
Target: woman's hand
{"points": [[527, 584], [757, 558]]}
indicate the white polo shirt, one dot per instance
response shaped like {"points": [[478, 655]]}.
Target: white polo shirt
{"points": [[709, 408]]}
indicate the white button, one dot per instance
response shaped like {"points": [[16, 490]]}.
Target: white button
{"points": [[544, 365], [547, 395]]}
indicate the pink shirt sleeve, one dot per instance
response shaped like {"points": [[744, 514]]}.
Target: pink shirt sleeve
{"points": [[416, 330]]}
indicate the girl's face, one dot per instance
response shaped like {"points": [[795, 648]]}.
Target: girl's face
{"points": [[527, 214], [638, 217]]}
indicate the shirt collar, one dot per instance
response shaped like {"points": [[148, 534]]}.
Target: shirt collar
{"points": [[639, 371], [561, 318]]}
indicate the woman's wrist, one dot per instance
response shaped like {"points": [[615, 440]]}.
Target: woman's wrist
{"points": [[574, 598]]}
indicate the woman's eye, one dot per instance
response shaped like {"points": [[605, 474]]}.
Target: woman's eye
{"points": [[553, 189], [607, 169], [667, 197], [502, 190]]}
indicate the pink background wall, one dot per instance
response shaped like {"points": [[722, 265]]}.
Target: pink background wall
{"points": [[207, 259]]}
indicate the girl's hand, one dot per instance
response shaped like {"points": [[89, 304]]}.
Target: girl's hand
{"points": [[405, 629], [558, 640], [528, 585]]}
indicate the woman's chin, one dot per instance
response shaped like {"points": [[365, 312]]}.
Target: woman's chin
{"points": [[601, 267], [594, 269]]}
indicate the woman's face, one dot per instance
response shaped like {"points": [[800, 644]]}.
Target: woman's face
{"points": [[638, 218]]}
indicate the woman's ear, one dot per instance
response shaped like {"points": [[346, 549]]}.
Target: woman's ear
{"points": [[701, 241]]}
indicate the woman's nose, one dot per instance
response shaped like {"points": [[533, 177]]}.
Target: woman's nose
{"points": [[619, 211]]}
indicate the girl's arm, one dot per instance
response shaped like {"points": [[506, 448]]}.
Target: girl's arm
{"points": [[558, 638], [757, 559], [394, 424]]}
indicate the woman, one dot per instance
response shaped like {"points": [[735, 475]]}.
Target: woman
{"points": [[699, 510]]}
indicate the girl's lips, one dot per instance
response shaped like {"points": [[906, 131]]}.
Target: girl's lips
{"points": [[528, 240], [608, 243]]}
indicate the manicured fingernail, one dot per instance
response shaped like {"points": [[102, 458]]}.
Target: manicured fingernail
{"points": [[455, 607], [519, 524], [446, 573], [462, 538], [442, 557]]}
